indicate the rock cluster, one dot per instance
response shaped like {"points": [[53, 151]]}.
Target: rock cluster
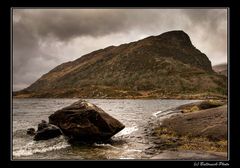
{"points": [[79, 122]]}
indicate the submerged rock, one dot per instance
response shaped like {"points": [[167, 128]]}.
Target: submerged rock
{"points": [[46, 131], [42, 125], [85, 122], [31, 131]]}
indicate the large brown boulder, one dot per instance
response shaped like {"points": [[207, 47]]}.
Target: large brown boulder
{"points": [[85, 122]]}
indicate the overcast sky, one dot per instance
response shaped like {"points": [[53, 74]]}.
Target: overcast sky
{"points": [[45, 38]]}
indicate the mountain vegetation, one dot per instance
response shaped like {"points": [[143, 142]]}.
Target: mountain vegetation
{"points": [[163, 66]]}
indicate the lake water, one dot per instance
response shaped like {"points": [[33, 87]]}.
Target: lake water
{"points": [[130, 143]]}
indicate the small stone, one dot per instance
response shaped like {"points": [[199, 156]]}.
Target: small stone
{"points": [[31, 131], [42, 125], [51, 131]]}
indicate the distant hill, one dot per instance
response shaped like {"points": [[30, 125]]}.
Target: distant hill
{"points": [[221, 69], [163, 66]]}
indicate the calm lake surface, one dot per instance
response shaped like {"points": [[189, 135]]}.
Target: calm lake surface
{"points": [[130, 143]]}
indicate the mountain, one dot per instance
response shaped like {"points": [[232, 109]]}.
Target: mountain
{"points": [[221, 69], [163, 66]]}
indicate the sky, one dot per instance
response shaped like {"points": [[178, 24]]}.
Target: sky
{"points": [[45, 38]]}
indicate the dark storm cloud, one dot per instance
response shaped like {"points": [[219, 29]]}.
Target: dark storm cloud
{"points": [[33, 26], [44, 38], [66, 24], [212, 21], [210, 17], [210, 28]]}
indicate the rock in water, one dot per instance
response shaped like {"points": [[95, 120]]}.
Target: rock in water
{"points": [[85, 122], [42, 125], [47, 131], [31, 131]]}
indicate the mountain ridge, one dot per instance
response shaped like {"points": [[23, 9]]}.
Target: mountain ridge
{"points": [[221, 69], [163, 66]]}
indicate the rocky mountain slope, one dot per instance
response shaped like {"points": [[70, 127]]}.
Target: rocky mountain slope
{"points": [[163, 66]]}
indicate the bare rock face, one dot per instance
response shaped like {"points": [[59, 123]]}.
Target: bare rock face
{"points": [[210, 123], [85, 122]]}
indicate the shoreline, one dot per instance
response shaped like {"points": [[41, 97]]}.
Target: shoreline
{"points": [[165, 144], [186, 97], [176, 136]]}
